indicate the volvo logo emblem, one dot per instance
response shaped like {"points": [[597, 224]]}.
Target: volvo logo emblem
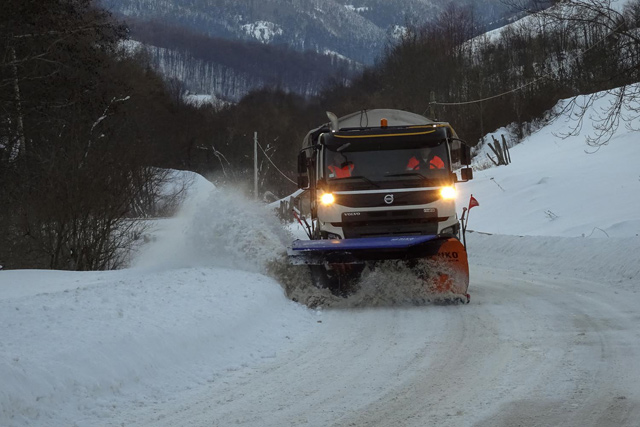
{"points": [[388, 199]]}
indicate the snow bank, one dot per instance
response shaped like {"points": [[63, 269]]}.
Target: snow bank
{"points": [[612, 261], [75, 348]]}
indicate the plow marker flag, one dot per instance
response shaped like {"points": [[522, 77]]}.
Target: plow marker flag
{"points": [[472, 203]]}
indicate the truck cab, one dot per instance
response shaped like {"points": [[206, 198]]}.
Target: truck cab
{"points": [[382, 173]]}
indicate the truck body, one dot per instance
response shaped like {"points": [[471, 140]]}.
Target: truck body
{"points": [[380, 185]]}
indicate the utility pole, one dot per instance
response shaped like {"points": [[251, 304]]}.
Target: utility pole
{"points": [[432, 101], [255, 165], [21, 149]]}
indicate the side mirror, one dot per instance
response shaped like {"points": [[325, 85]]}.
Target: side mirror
{"points": [[302, 162], [466, 174], [303, 178], [465, 155]]}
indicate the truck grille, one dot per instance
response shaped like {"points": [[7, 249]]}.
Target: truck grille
{"points": [[389, 223], [375, 200]]}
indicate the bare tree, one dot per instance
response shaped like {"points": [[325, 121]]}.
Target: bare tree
{"points": [[73, 157], [607, 62]]}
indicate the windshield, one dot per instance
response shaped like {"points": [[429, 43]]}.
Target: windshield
{"points": [[351, 166]]}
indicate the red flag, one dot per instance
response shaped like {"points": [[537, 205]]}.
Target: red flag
{"points": [[473, 202]]}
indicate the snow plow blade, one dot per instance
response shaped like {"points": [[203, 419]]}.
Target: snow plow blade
{"points": [[451, 277]]}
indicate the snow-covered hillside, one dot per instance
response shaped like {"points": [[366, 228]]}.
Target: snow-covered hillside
{"points": [[557, 185], [197, 334]]}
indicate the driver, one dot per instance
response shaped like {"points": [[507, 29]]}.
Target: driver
{"points": [[339, 169]]}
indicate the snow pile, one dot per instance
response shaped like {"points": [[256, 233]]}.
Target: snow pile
{"points": [[167, 235], [613, 261], [78, 348]]}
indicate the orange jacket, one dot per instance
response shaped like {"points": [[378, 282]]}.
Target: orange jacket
{"points": [[435, 163], [344, 172]]}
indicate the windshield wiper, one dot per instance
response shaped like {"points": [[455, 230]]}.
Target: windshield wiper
{"points": [[427, 180], [416, 174], [363, 178]]}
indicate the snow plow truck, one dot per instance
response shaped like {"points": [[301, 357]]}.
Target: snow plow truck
{"points": [[379, 185]]}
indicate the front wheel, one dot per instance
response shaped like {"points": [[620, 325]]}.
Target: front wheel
{"points": [[340, 279]]}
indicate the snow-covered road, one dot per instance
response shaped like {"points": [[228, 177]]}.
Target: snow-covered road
{"points": [[551, 337], [538, 345]]}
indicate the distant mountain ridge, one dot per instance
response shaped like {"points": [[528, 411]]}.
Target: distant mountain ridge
{"points": [[354, 31], [229, 69]]}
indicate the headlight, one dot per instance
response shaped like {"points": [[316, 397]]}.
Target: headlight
{"points": [[448, 193], [327, 199]]}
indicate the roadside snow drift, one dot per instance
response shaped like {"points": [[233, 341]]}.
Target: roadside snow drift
{"points": [[74, 354]]}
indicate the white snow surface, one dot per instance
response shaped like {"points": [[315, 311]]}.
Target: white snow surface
{"points": [[263, 31], [356, 9], [196, 333]]}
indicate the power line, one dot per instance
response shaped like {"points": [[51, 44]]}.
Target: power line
{"points": [[274, 165], [544, 76], [494, 96]]}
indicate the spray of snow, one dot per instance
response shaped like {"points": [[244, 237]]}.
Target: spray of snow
{"points": [[385, 284], [228, 230], [218, 228]]}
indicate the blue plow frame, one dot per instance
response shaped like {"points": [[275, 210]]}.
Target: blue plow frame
{"points": [[361, 250]]}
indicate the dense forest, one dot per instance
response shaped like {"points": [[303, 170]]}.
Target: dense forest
{"points": [[87, 129], [82, 127]]}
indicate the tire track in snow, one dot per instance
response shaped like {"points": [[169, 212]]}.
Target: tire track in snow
{"points": [[532, 348]]}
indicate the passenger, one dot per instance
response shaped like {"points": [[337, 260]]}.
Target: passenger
{"points": [[436, 163], [340, 172], [429, 161]]}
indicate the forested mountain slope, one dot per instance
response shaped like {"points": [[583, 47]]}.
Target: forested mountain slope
{"points": [[356, 29], [229, 69], [344, 33]]}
